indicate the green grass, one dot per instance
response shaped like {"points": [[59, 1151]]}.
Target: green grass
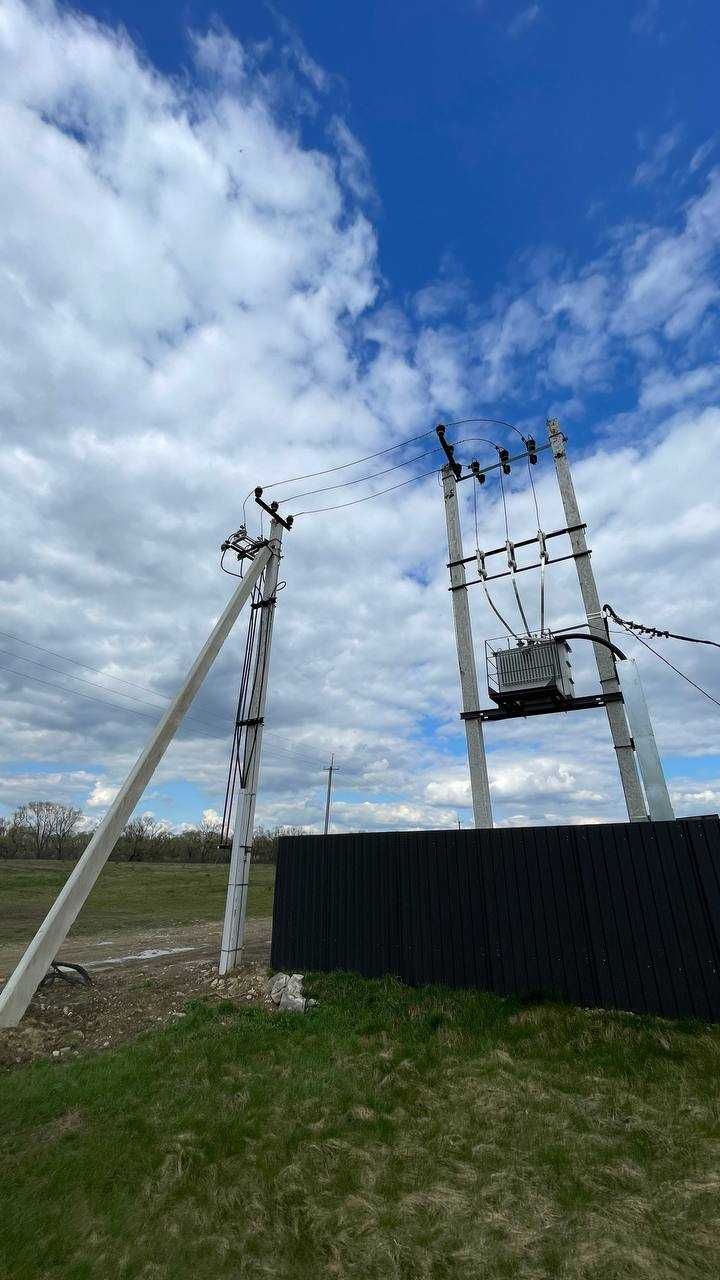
{"points": [[392, 1134], [128, 895]]}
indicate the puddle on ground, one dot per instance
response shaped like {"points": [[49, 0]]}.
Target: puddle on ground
{"points": [[151, 953]]}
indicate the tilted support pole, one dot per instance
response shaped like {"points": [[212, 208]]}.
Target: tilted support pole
{"points": [[238, 880], [617, 719], [479, 784], [22, 983]]}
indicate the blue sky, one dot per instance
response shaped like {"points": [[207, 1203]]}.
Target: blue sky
{"points": [[492, 128], [257, 239]]}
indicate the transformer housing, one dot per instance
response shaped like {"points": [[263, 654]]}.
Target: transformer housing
{"points": [[535, 672]]}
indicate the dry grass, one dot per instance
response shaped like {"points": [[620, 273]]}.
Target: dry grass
{"points": [[391, 1135]]}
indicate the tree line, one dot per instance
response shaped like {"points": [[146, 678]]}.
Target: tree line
{"points": [[46, 829]]}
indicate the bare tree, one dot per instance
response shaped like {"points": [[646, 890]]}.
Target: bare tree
{"points": [[208, 838], [37, 818], [139, 833], [64, 822]]}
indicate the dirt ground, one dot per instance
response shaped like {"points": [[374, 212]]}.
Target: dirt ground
{"points": [[140, 980]]}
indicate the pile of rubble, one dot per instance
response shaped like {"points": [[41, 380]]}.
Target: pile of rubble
{"points": [[285, 990]]}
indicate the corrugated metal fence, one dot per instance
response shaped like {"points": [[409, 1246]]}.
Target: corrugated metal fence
{"points": [[624, 915]]}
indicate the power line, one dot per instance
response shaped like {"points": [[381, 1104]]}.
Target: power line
{"points": [[368, 496], [93, 684], [118, 692], [653, 631], [346, 483], [118, 706], [97, 670], [343, 466], [677, 670]]}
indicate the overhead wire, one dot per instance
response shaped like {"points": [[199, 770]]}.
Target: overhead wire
{"points": [[368, 496], [343, 466], [294, 497], [654, 631], [218, 720], [672, 666], [488, 597], [484, 440], [119, 706]]}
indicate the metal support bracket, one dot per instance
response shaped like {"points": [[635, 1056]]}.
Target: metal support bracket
{"points": [[587, 703], [272, 510]]}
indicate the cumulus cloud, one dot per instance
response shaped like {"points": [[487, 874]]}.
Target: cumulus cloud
{"points": [[101, 795], [192, 306]]}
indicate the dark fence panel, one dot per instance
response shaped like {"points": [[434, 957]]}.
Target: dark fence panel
{"points": [[623, 916]]}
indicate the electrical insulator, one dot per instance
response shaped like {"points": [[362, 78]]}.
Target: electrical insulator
{"points": [[504, 459], [531, 447], [478, 474]]}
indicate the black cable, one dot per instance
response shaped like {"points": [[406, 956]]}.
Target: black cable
{"points": [[653, 631], [337, 506], [500, 423], [677, 670]]}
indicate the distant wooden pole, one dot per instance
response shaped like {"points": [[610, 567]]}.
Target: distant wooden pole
{"points": [[23, 981], [330, 768]]}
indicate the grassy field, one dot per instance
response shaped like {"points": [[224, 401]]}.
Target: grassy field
{"points": [[392, 1134], [128, 895]]}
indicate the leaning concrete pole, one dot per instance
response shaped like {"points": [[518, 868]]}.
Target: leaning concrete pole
{"points": [[22, 983], [479, 784], [617, 719], [236, 903]]}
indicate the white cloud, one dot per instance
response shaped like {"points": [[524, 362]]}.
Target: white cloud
{"points": [[101, 795], [60, 785], [353, 163], [190, 307]]}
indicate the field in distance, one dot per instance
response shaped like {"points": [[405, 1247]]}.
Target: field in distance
{"points": [[128, 895]]}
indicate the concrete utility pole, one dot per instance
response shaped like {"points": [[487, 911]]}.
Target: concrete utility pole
{"points": [[605, 660], [236, 902], [479, 785], [329, 772], [22, 983]]}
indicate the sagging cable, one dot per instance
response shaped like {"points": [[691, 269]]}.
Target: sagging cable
{"points": [[512, 565], [482, 574], [543, 561]]}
